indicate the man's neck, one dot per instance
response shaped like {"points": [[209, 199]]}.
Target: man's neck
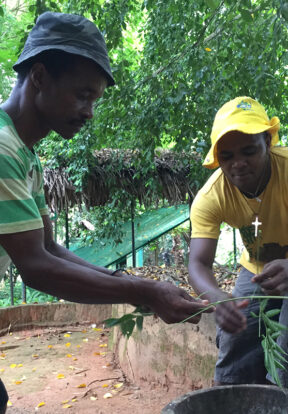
{"points": [[262, 183], [20, 109]]}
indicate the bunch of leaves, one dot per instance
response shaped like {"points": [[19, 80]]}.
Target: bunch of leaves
{"points": [[274, 356], [129, 321]]}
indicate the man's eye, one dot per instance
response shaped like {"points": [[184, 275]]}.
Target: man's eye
{"points": [[225, 157], [249, 151]]}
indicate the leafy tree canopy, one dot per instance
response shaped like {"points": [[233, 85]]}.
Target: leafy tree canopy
{"points": [[175, 63]]}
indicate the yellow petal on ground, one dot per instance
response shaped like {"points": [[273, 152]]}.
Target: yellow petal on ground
{"points": [[2, 369], [35, 356], [60, 376], [3, 342], [65, 402], [208, 49], [74, 400], [81, 386], [67, 406], [103, 353], [67, 335], [19, 365], [85, 340], [93, 398], [97, 329], [68, 344], [103, 345], [34, 369], [13, 365], [75, 359], [69, 355], [71, 367], [9, 403], [78, 346], [2, 356], [96, 353], [84, 331], [50, 346], [17, 382], [107, 395], [41, 404], [105, 385], [119, 385]]}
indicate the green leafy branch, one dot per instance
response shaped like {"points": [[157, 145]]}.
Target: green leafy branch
{"points": [[274, 355], [128, 322]]}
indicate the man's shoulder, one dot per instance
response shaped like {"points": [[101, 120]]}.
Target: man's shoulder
{"points": [[215, 180], [9, 141], [280, 153]]}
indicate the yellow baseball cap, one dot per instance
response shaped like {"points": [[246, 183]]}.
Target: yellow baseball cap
{"points": [[242, 114]]}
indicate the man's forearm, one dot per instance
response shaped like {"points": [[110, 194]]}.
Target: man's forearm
{"points": [[63, 253], [204, 283], [74, 282]]}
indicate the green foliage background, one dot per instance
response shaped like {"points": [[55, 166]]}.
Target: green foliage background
{"points": [[175, 63]]}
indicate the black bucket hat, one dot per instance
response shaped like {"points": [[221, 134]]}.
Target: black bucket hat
{"points": [[70, 33]]}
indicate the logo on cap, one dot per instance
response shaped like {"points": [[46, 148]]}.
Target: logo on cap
{"points": [[244, 105]]}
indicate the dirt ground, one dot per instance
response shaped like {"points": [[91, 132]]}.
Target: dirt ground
{"points": [[53, 370]]}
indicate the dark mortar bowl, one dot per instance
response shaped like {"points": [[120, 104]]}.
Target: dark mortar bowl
{"points": [[232, 399]]}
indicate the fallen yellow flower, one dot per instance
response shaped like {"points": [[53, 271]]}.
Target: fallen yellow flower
{"points": [[107, 395]]}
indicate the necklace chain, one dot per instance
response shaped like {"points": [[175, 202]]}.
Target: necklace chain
{"points": [[256, 223], [256, 193]]}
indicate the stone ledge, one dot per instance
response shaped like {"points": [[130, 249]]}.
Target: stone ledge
{"points": [[15, 318]]}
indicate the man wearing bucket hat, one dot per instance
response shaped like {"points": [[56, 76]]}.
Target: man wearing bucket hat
{"points": [[63, 69], [250, 193]]}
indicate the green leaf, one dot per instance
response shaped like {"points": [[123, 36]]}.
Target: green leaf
{"points": [[127, 327], [272, 312], [212, 4], [246, 15], [139, 322], [112, 322]]}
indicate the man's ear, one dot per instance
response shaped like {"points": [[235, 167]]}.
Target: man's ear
{"points": [[268, 139], [38, 74]]}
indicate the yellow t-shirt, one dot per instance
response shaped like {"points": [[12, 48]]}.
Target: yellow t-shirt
{"points": [[220, 201]]}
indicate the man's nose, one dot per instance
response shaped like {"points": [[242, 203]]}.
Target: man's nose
{"points": [[87, 111], [239, 162]]}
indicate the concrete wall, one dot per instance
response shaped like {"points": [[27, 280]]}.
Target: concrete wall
{"points": [[179, 353], [15, 318], [183, 354]]}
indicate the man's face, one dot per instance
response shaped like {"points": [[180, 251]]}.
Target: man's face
{"points": [[244, 158], [66, 103]]}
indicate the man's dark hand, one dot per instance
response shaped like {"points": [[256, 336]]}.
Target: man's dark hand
{"points": [[229, 316], [173, 304], [274, 278]]}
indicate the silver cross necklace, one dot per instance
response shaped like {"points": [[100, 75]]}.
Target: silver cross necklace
{"points": [[255, 196]]}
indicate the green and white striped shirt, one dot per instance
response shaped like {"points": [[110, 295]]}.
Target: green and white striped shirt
{"points": [[22, 200]]}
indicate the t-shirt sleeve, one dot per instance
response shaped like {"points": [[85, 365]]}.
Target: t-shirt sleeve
{"points": [[19, 210], [205, 219]]}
